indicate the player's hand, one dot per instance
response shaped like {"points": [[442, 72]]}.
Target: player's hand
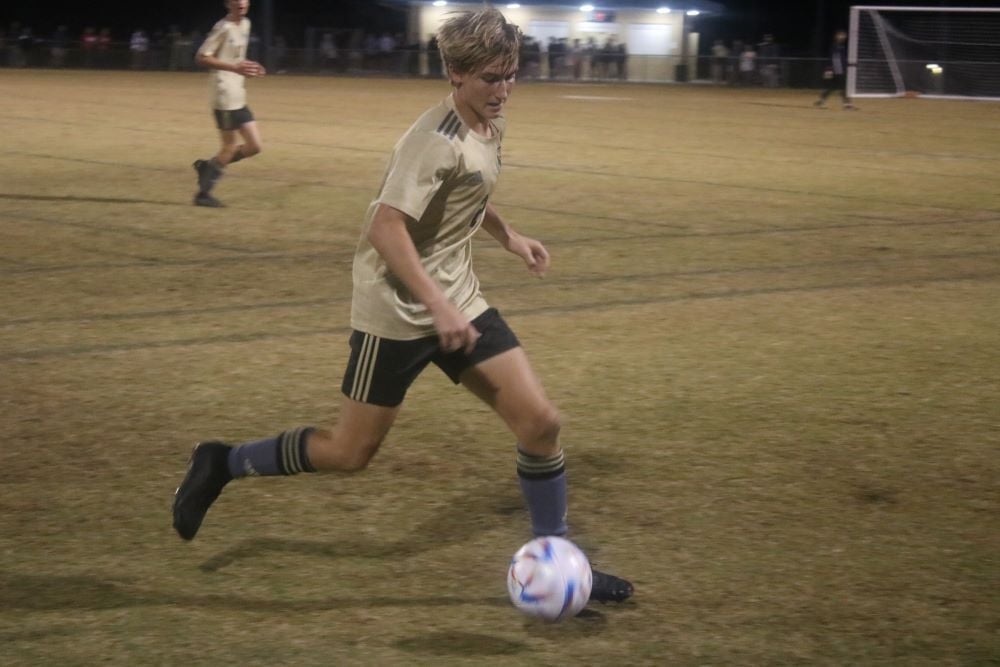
{"points": [[455, 332], [250, 68], [534, 254]]}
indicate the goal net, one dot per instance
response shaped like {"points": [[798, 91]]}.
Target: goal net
{"points": [[927, 51]]}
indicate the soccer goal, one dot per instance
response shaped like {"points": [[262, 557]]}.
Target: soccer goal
{"points": [[951, 52]]}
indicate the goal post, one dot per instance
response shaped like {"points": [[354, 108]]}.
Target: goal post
{"points": [[947, 52]]}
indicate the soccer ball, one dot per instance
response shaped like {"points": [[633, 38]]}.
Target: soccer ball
{"points": [[549, 578]]}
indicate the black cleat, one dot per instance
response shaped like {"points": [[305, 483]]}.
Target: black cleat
{"points": [[202, 167], [205, 199], [207, 474], [609, 588]]}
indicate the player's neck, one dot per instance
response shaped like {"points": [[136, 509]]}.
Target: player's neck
{"points": [[233, 18], [478, 124]]}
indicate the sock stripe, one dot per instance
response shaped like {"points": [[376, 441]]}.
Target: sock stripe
{"points": [[540, 467], [293, 450], [284, 453], [292, 456]]}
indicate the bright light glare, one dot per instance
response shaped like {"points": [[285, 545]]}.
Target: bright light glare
{"points": [[440, 3], [663, 10], [587, 8], [693, 12], [513, 5]]}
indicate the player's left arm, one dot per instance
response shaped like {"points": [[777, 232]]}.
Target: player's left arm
{"points": [[244, 67], [530, 250]]}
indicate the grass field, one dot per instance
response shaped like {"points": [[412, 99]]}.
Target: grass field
{"points": [[772, 330]]}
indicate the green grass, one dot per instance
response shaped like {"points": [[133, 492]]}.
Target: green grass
{"points": [[772, 331]]}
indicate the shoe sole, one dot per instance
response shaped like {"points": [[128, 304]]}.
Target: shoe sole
{"points": [[177, 500]]}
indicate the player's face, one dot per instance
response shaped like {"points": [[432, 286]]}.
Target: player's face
{"points": [[485, 92], [238, 7]]}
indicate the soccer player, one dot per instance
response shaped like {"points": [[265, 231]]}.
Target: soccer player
{"points": [[417, 301], [224, 52], [836, 73]]}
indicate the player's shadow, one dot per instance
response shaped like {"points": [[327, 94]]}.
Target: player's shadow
{"points": [[458, 522], [91, 200], [48, 592]]}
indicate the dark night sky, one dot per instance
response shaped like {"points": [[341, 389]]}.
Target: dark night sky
{"points": [[796, 24]]}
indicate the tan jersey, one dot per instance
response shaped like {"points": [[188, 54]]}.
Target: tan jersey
{"points": [[227, 42], [441, 174]]}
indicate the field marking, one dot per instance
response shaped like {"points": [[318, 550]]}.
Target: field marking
{"points": [[82, 350], [518, 286], [599, 98]]}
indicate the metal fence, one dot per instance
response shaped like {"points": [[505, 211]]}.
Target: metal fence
{"points": [[179, 56]]}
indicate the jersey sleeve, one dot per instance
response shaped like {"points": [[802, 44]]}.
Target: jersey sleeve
{"points": [[420, 165], [214, 41]]}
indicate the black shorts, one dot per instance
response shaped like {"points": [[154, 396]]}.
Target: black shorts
{"points": [[380, 370], [233, 120]]}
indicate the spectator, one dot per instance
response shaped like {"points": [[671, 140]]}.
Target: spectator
{"points": [[176, 49], [748, 66], [280, 53], [433, 58], [25, 46], [138, 46], [60, 41], [621, 61], [386, 48], [769, 53], [328, 52], [103, 47], [180, 51], [720, 58]]}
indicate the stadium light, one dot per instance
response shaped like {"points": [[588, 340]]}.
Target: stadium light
{"points": [[440, 3], [587, 8], [663, 10], [692, 12], [513, 5]]}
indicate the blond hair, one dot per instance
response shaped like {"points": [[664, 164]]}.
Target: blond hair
{"points": [[469, 41]]}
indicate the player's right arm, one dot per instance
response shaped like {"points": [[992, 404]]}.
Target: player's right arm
{"points": [[391, 239]]}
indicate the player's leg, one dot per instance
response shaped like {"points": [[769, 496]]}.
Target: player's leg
{"points": [[499, 373], [508, 384], [211, 170], [378, 374], [239, 138], [845, 98], [348, 447], [250, 146]]}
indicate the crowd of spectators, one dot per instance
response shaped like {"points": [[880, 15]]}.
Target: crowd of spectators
{"points": [[336, 51], [747, 64]]}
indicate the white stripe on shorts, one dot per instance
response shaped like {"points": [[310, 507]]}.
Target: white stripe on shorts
{"points": [[365, 370]]}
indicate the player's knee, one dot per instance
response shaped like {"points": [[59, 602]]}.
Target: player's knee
{"points": [[541, 431]]}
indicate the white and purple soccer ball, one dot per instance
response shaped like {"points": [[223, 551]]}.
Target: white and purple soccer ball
{"points": [[549, 578]]}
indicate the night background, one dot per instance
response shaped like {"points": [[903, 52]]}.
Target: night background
{"points": [[801, 27]]}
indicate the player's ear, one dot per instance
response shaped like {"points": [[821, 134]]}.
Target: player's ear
{"points": [[454, 76]]}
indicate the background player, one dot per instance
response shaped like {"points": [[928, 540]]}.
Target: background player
{"points": [[224, 52]]}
